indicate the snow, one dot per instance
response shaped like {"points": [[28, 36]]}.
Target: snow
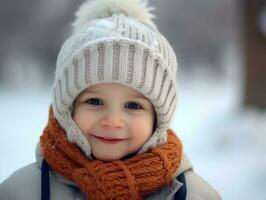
{"points": [[225, 143], [23, 116]]}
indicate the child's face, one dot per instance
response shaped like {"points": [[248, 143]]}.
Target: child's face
{"points": [[115, 119]]}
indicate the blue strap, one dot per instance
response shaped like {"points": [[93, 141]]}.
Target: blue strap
{"points": [[45, 193], [181, 194]]}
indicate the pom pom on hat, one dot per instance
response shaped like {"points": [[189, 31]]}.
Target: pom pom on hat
{"points": [[95, 9]]}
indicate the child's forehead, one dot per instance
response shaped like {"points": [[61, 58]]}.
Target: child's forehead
{"points": [[113, 88]]}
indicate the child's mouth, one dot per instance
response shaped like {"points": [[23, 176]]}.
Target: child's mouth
{"points": [[108, 140]]}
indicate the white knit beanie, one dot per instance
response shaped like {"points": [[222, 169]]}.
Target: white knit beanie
{"points": [[115, 41]]}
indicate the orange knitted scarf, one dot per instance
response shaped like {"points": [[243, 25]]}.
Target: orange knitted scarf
{"points": [[130, 179]]}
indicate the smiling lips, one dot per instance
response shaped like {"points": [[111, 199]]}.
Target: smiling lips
{"points": [[108, 140]]}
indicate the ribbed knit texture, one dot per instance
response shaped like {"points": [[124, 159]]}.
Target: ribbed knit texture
{"points": [[120, 50], [125, 180]]}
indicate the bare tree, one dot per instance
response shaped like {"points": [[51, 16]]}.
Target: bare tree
{"points": [[255, 53]]}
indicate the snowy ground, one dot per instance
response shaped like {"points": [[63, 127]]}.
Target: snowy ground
{"points": [[226, 145]]}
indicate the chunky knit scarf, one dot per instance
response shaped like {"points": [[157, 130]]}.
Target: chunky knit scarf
{"points": [[130, 179]]}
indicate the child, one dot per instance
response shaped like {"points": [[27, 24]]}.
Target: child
{"points": [[108, 133]]}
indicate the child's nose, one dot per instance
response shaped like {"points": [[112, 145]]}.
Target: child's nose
{"points": [[112, 122]]}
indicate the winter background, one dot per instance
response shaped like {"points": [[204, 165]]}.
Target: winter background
{"points": [[225, 141]]}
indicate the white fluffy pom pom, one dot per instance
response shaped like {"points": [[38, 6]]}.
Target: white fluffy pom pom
{"points": [[94, 9]]}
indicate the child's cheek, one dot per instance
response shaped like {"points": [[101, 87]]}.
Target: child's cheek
{"points": [[82, 119], [142, 126]]}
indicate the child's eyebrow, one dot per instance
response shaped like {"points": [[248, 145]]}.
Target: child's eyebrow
{"points": [[140, 97]]}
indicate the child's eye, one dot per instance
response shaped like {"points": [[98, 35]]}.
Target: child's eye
{"points": [[133, 106], [94, 101]]}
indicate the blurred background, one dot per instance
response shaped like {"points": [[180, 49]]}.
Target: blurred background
{"points": [[221, 115]]}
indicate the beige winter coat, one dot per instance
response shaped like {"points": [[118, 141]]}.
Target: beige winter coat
{"points": [[25, 184]]}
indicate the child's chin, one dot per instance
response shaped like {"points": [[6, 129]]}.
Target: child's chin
{"points": [[111, 156], [107, 158]]}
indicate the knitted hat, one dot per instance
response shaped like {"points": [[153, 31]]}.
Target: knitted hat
{"points": [[115, 41]]}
